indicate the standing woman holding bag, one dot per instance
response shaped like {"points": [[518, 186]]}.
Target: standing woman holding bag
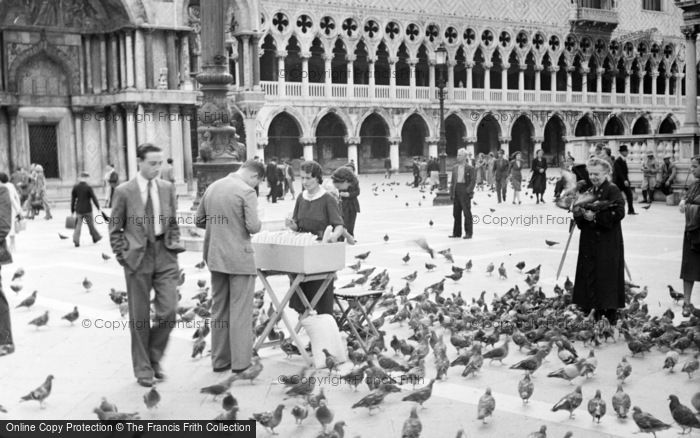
{"points": [[690, 263]]}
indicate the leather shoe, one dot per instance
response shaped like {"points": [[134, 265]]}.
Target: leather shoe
{"points": [[631, 212], [145, 381], [467, 237], [158, 372], [222, 369], [240, 370], [452, 236]]}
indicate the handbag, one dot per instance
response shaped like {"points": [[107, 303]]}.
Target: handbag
{"points": [[70, 222]]}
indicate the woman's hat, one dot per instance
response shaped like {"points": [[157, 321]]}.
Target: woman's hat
{"points": [[514, 154], [623, 148]]}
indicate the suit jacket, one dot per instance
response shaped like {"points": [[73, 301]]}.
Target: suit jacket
{"points": [[127, 231], [80, 198], [501, 167], [469, 179], [271, 174], [5, 224], [620, 172], [229, 213]]}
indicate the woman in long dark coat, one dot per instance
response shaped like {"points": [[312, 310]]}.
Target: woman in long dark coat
{"points": [[348, 190], [600, 271], [538, 181], [690, 263]]}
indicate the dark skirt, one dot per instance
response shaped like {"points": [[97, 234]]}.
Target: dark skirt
{"points": [[516, 180], [539, 183], [325, 303], [690, 263]]}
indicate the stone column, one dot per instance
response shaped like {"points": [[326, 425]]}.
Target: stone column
{"points": [[187, 113], [350, 58], [113, 59], [537, 145], [305, 73], [140, 124], [328, 74], [140, 59], [392, 76], [691, 79], [584, 83], [150, 76], [469, 143], [78, 138], [450, 81], [538, 81], [246, 71], [171, 60], [641, 75], [599, 84], [128, 41], [654, 77], [281, 73], [103, 63], [628, 85], [88, 64], [521, 78], [667, 87], [104, 144], [412, 77], [679, 87], [185, 79], [613, 87], [122, 60], [487, 78], [308, 144], [261, 150], [118, 156], [431, 78], [504, 78], [371, 82], [505, 145], [131, 140], [394, 153], [352, 143], [255, 60], [15, 145], [553, 81], [176, 144], [433, 147], [569, 83], [470, 78]]}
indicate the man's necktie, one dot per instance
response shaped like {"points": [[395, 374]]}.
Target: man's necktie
{"points": [[150, 215]]}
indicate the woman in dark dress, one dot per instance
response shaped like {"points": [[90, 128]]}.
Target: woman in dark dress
{"points": [[348, 190], [600, 270], [690, 264], [538, 182], [314, 211], [516, 176]]}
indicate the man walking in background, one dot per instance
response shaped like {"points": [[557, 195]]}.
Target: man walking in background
{"points": [[81, 208], [273, 180], [621, 177], [461, 193], [501, 169], [229, 256], [167, 172], [145, 239]]}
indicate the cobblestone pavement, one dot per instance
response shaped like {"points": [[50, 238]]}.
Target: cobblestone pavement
{"points": [[91, 362]]}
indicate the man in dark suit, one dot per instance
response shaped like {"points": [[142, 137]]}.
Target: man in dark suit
{"points": [[145, 238], [501, 169], [7, 345], [461, 193], [112, 182], [621, 177], [81, 208], [272, 176], [229, 213]]}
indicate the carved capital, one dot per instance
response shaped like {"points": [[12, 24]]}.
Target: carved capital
{"points": [[350, 57], [393, 60], [281, 54], [553, 68], [130, 107], [600, 71], [690, 33], [353, 141]]}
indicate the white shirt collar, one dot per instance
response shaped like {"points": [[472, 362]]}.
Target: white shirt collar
{"points": [[308, 197]]}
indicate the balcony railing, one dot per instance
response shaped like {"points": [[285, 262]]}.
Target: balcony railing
{"points": [[401, 93]]}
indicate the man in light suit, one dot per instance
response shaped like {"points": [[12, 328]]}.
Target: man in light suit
{"points": [[7, 346], [145, 238], [229, 213], [461, 194]]}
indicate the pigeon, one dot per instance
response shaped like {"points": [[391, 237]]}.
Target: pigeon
{"points": [[569, 372], [356, 266], [386, 238], [201, 283], [270, 420], [429, 266], [215, 390], [421, 395], [331, 361], [87, 284], [691, 366], [289, 348], [106, 257], [596, 407], [406, 258], [447, 253], [40, 321], [682, 415], [551, 243], [323, 414], [455, 276], [570, 402], [624, 369], [71, 316], [193, 233], [412, 427], [489, 269], [201, 265], [468, 266], [486, 406], [526, 388], [106, 406], [670, 360], [425, 247], [676, 296], [621, 402], [151, 398], [498, 353], [16, 287], [201, 332], [411, 277], [115, 416], [502, 272], [373, 399], [19, 273], [430, 222], [229, 402], [363, 256], [647, 423], [250, 373], [198, 347], [28, 302], [300, 413], [542, 433], [40, 393], [62, 237]]}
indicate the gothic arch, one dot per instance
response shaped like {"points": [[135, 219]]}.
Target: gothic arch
{"points": [[349, 127], [489, 114], [645, 124], [615, 118], [458, 113], [421, 114], [592, 120], [383, 114], [44, 49], [670, 117], [297, 116]]}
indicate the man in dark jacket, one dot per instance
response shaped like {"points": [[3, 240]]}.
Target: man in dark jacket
{"points": [[81, 208], [113, 181], [461, 193], [621, 177], [600, 274], [272, 177], [415, 168], [7, 345], [501, 169]]}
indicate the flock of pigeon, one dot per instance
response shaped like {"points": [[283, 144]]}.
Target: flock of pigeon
{"points": [[452, 332]]}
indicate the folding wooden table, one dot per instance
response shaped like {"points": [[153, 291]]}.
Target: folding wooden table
{"points": [[295, 278], [355, 298]]}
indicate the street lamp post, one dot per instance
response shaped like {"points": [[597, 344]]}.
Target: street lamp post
{"points": [[442, 196]]}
